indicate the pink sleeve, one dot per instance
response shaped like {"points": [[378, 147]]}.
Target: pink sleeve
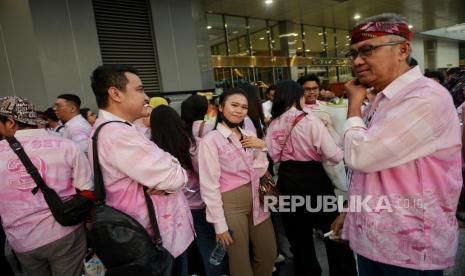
{"points": [[408, 134], [209, 175], [324, 142], [81, 171], [155, 167]]}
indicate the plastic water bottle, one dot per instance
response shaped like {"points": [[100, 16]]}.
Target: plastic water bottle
{"points": [[216, 258]]}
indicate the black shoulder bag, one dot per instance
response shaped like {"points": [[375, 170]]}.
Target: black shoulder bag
{"points": [[120, 241], [68, 213]]}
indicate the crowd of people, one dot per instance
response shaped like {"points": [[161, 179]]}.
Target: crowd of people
{"points": [[401, 144]]}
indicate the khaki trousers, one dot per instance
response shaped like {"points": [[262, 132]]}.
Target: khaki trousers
{"points": [[237, 205], [63, 257]]}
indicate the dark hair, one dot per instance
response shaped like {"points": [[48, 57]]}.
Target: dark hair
{"points": [[310, 77], [106, 76], [437, 75], [270, 88], [222, 99], [84, 111], [170, 134], [193, 109], [452, 71], [74, 99], [3, 119], [255, 110], [50, 114], [288, 93]]}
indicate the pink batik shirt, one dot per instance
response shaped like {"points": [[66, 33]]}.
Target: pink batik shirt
{"points": [[130, 161], [26, 218], [407, 157], [193, 186], [224, 165], [308, 140]]}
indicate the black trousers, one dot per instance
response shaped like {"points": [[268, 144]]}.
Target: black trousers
{"points": [[310, 179]]}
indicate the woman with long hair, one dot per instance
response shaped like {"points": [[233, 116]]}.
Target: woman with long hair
{"points": [[301, 142], [255, 120], [193, 111], [168, 133], [231, 161]]}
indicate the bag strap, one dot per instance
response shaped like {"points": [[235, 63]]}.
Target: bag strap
{"points": [[18, 149], [296, 120], [202, 126], [100, 187], [153, 218]]}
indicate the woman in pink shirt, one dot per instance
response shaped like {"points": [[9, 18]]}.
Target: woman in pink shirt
{"points": [[301, 142], [231, 162]]}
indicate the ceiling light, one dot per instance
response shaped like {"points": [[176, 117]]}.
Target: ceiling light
{"points": [[235, 32], [268, 2], [308, 50], [262, 38], [209, 27], [289, 35], [299, 48], [357, 16], [410, 26], [320, 34]]}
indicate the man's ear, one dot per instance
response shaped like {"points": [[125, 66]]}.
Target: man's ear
{"points": [[10, 126], [114, 94]]}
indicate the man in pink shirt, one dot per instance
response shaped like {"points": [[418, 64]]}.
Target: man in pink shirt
{"points": [[43, 246], [404, 153], [129, 161]]}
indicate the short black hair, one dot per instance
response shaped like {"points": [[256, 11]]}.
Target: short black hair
{"points": [[271, 88], [452, 71], [436, 75], [106, 76], [310, 77], [84, 111], [71, 98], [50, 114]]}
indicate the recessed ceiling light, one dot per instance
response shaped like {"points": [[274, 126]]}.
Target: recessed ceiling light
{"points": [[308, 50], [235, 32], [268, 2], [320, 34], [262, 38], [209, 27], [299, 48], [410, 26], [357, 16]]}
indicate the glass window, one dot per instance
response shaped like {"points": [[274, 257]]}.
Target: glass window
{"points": [[216, 34], [343, 42], [314, 42], [258, 37], [237, 34]]}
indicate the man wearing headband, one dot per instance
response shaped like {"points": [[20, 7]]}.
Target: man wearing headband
{"points": [[404, 158]]}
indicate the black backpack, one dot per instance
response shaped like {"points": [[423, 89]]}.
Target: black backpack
{"points": [[120, 241]]}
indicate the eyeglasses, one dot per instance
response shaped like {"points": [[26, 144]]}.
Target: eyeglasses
{"points": [[367, 50], [311, 89]]}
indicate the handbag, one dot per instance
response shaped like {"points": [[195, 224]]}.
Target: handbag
{"points": [[71, 212], [123, 245], [267, 186]]}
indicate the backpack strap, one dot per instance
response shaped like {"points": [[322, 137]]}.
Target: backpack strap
{"points": [[100, 187]]}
